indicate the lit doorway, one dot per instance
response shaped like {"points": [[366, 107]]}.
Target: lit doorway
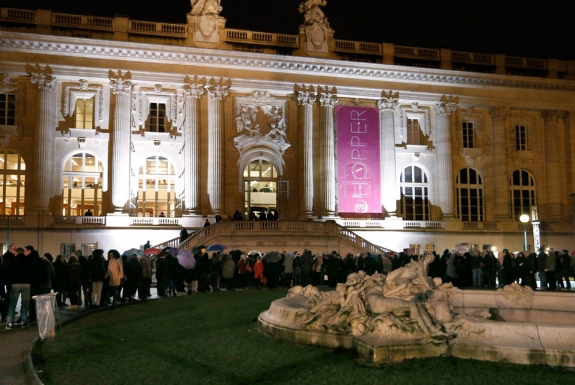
{"points": [[260, 190]]}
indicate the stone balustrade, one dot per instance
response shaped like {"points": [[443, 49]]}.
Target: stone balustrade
{"points": [[122, 28]]}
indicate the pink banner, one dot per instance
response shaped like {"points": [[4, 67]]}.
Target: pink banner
{"points": [[358, 160]]}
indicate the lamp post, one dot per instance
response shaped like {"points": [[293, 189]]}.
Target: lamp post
{"points": [[524, 219]]}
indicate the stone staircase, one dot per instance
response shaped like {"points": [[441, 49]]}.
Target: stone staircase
{"points": [[319, 237]]}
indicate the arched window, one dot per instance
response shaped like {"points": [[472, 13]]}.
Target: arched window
{"points": [[522, 193], [414, 190], [12, 181], [469, 195], [82, 185], [157, 188]]}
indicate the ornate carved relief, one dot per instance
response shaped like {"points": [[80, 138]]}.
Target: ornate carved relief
{"points": [[263, 118], [74, 91], [447, 105], [41, 78]]}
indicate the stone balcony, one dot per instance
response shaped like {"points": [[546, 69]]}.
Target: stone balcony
{"points": [[124, 29]]}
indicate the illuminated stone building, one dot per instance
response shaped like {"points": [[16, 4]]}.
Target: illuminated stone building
{"points": [[153, 126]]}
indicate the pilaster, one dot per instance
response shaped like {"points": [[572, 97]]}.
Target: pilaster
{"points": [[217, 92], [500, 181], [387, 105], [121, 87], [552, 165], [444, 109], [306, 98], [191, 134], [327, 188], [44, 125]]}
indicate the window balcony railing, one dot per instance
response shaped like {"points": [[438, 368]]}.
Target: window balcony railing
{"points": [[11, 219]]}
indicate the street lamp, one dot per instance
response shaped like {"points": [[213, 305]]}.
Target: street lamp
{"points": [[524, 219]]}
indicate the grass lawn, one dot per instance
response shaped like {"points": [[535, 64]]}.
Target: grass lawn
{"points": [[213, 339]]}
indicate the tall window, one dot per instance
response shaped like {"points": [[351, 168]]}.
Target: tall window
{"points": [[12, 182], [157, 117], [521, 137], [156, 192], [468, 135], [84, 113], [522, 193], [413, 131], [7, 109], [260, 189], [469, 195], [414, 190], [82, 185]]}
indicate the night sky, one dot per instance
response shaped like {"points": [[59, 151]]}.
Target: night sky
{"points": [[527, 29]]}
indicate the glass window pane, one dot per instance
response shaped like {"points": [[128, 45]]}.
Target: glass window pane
{"points": [[12, 161]]}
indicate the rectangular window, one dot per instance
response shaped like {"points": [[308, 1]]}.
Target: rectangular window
{"points": [[414, 249], [468, 135], [521, 137], [85, 113], [67, 249], [157, 117], [413, 132], [7, 109], [429, 247]]}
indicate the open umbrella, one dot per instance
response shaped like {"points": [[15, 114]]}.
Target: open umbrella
{"points": [[255, 252], [460, 248], [152, 251], [198, 248], [272, 256], [129, 253], [216, 247], [171, 250], [186, 259]]}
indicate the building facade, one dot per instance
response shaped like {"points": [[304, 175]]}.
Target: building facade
{"points": [[111, 128]]}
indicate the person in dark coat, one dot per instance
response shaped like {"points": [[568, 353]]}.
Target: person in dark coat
{"points": [[370, 264], [306, 267], [73, 280], [508, 268], [5, 284], [162, 273], [522, 268], [531, 262], [19, 273], [97, 271], [59, 283], [133, 273], [565, 259], [183, 235], [39, 278]]}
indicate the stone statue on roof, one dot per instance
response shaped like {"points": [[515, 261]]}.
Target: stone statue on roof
{"points": [[206, 7], [312, 12]]}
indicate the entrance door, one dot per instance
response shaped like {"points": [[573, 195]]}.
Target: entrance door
{"points": [[260, 190]]}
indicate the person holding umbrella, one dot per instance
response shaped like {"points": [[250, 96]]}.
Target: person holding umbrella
{"points": [[258, 272]]}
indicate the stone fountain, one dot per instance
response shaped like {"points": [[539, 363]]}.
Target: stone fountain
{"points": [[408, 315]]}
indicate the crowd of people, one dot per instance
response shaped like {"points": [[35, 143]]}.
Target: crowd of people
{"points": [[95, 280], [108, 279]]}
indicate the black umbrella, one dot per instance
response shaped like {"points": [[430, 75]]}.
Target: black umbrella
{"points": [[198, 248], [272, 256]]}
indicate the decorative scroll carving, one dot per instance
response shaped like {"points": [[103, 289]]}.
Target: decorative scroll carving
{"points": [[194, 90], [41, 78], [307, 97], [447, 105], [327, 97], [264, 119], [388, 101], [120, 84]]}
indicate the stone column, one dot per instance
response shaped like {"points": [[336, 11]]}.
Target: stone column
{"points": [[444, 109], [191, 133], [217, 94], [121, 87], [386, 105], [327, 188], [306, 99], [500, 181], [44, 125], [552, 162]]}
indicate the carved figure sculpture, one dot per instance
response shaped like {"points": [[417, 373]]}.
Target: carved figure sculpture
{"points": [[312, 12], [206, 7], [409, 280]]}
